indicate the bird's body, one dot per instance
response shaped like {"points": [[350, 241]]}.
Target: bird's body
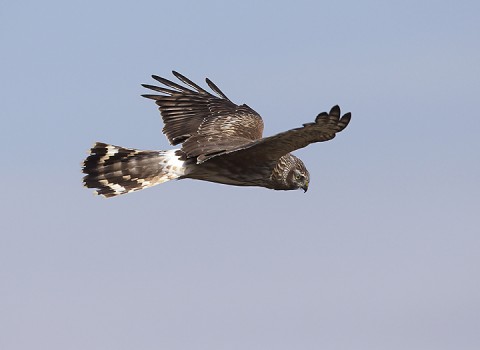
{"points": [[220, 142]]}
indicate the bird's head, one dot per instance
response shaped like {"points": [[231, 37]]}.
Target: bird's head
{"points": [[299, 177]]}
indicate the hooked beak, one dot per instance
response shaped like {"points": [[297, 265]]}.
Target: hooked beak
{"points": [[305, 187]]}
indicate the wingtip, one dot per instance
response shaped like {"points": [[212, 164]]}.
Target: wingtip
{"points": [[335, 111], [152, 97], [346, 118], [178, 75], [319, 117], [160, 79], [215, 88]]}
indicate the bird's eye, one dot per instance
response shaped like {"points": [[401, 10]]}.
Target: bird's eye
{"points": [[299, 176]]}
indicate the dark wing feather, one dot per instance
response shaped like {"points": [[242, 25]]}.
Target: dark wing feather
{"points": [[206, 124], [271, 148], [219, 135]]}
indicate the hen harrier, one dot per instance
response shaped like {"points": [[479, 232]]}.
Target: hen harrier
{"points": [[220, 142]]}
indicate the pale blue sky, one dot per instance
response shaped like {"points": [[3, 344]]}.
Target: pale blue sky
{"points": [[383, 252]]}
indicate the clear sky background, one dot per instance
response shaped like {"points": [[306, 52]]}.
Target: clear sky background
{"points": [[383, 252]]}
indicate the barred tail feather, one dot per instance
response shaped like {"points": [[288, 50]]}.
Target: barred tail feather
{"points": [[114, 170]]}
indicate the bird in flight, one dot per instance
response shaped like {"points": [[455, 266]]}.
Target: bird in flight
{"points": [[219, 142]]}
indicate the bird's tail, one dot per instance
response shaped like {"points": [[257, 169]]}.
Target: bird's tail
{"points": [[114, 170]]}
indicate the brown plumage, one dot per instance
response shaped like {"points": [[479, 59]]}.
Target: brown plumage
{"points": [[220, 142]]}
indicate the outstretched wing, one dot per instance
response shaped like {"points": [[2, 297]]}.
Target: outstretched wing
{"points": [[271, 148], [203, 123]]}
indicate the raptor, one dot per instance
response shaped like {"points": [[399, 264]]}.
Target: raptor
{"points": [[218, 141]]}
